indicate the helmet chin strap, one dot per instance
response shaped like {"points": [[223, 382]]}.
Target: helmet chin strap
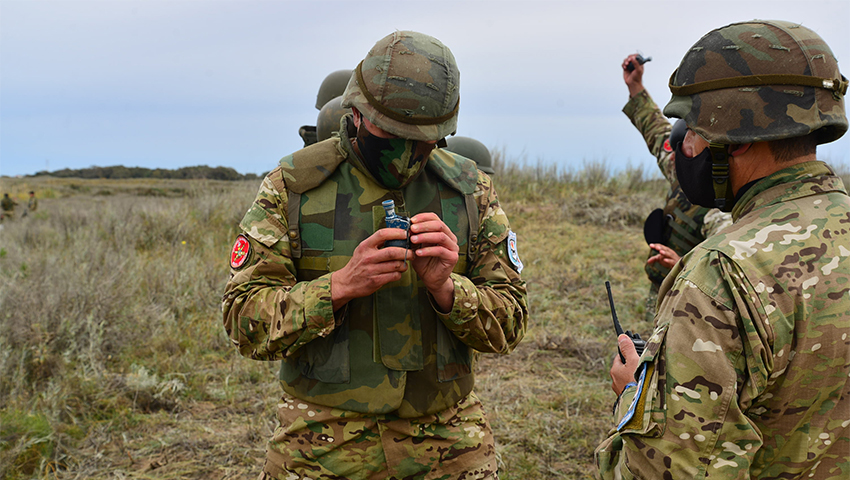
{"points": [[723, 198]]}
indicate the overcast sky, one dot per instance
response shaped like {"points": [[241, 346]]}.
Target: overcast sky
{"points": [[168, 84]]}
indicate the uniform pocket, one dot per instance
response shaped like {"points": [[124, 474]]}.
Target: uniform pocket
{"points": [[327, 359], [454, 358]]}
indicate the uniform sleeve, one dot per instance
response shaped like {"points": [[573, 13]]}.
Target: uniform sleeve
{"points": [[707, 359], [490, 309], [655, 129], [268, 315]]}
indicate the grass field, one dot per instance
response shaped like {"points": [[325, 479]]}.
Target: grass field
{"points": [[116, 364]]}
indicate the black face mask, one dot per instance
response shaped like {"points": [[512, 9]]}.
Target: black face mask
{"points": [[696, 177], [393, 162]]}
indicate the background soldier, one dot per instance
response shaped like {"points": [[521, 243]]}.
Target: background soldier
{"points": [[327, 124], [332, 86], [746, 374], [8, 206], [378, 341], [473, 150], [677, 228], [32, 204]]}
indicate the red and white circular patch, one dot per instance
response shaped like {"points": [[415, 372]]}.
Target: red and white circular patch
{"points": [[667, 147], [239, 255]]}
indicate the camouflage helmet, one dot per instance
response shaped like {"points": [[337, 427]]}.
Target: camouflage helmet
{"points": [[473, 150], [407, 86], [332, 86], [759, 81], [329, 117]]}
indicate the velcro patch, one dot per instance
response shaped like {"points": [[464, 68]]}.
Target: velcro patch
{"points": [[667, 147], [239, 254], [512, 251]]}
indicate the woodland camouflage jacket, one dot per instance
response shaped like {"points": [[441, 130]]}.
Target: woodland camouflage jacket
{"points": [[391, 351], [746, 373], [686, 224]]}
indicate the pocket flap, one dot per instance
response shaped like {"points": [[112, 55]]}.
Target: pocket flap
{"points": [[260, 225]]}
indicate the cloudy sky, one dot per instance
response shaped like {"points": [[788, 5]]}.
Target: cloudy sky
{"points": [[168, 84]]}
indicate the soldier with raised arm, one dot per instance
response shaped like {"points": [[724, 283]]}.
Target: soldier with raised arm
{"points": [[747, 373], [377, 342], [677, 228]]}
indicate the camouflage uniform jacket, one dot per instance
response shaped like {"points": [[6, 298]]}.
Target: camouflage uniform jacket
{"points": [[746, 373], [686, 225], [391, 351], [8, 204]]}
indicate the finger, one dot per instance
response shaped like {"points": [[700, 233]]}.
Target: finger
{"points": [[425, 217], [435, 239], [445, 255], [627, 347], [389, 255], [431, 225], [378, 238]]}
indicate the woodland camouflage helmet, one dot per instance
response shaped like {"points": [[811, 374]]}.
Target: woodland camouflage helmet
{"points": [[332, 86], [408, 86], [473, 150], [758, 81], [329, 116]]}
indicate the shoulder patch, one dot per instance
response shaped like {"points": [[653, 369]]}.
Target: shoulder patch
{"points": [[633, 419], [512, 251], [241, 250], [667, 147]]}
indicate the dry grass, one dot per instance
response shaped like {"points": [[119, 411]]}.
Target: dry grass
{"points": [[116, 366]]}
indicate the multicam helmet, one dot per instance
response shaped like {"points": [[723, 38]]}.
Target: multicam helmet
{"points": [[408, 86], [329, 117], [760, 81], [332, 86], [473, 150]]}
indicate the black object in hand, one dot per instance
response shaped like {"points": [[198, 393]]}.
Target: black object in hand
{"points": [[640, 59], [640, 344]]}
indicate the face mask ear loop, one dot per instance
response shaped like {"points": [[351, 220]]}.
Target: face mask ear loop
{"points": [[720, 176]]}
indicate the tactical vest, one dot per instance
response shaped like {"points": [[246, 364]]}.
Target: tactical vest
{"points": [[390, 352], [682, 230]]}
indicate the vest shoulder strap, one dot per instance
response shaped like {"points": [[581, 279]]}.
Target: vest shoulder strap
{"points": [[307, 168], [458, 172]]}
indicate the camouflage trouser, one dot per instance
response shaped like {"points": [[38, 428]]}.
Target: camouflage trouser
{"points": [[651, 300], [314, 442]]}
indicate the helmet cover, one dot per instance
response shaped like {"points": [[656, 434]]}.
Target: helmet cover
{"points": [[757, 81], [408, 85]]}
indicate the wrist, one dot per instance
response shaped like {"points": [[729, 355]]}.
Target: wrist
{"points": [[444, 295], [635, 89], [339, 297]]}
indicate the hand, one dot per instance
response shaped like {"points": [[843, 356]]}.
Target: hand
{"points": [[370, 267], [666, 256], [435, 256], [633, 79], [623, 374]]}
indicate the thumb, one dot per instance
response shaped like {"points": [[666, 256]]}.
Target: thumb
{"points": [[627, 347]]}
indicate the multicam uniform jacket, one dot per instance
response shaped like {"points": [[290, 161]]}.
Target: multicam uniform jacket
{"points": [[391, 353], [686, 225], [746, 373]]}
